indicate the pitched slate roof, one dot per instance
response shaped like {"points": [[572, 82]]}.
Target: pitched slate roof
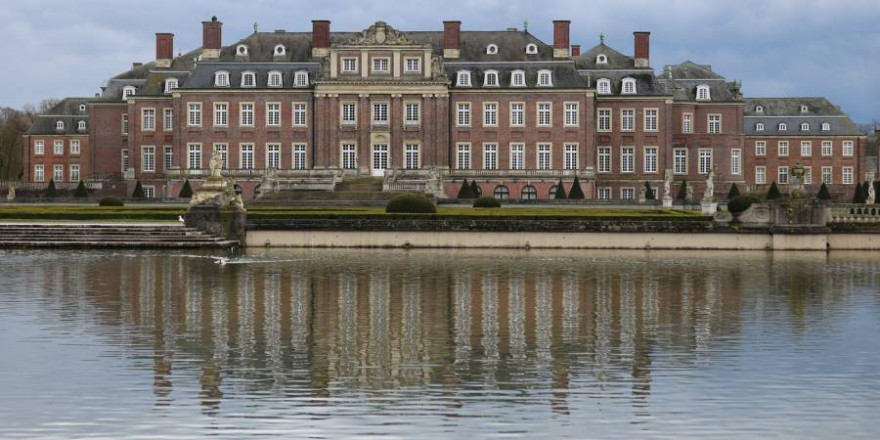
{"points": [[203, 76], [616, 60], [690, 70], [682, 80], [788, 111], [67, 111], [646, 82], [564, 76]]}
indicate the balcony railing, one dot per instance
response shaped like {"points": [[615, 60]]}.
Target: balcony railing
{"points": [[583, 174]]}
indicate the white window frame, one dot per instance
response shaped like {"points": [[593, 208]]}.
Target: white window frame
{"points": [[848, 148], [412, 113], [412, 157], [301, 78], [273, 114], [490, 156], [221, 78], [463, 114], [246, 156], [39, 147], [651, 118], [531, 49], [705, 160], [221, 114], [627, 159], [380, 114], [713, 123], [81, 125], [59, 125], [348, 112], [544, 156], [627, 193], [687, 123], [628, 119], [628, 86], [125, 124], [352, 68], [545, 78], [171, 84], [827, 175], [517, 156], [383, 64], [491, 49], [275, 80], [168, 157], [826, 126], [73, 171], [805, 126], [603, 86], [827, 148], [194, 114], [760, 175], [735, 161], [806, 148], [348, 156], [412, 65], [650, 160], [782, 175], [148, 158], [58, 172], [544, 110], [517, 114], [246, 114], [148, 119], [759, 126], [703, 93], [39, 173], [194, 156], [572, 114], [58, 147], [128, 91], [603, 120], [848, 175], [490, 114], [761, 148], [75, 147], [517, 78], [680, 161], [299, 156], [490, 79], [463, 78], [604, 159], [273, 156], [248, 80], [603, 193], [463, 156], [300, 114], [571, 156], [168, 119], [782, 149], [782, 126], [223, 149]]}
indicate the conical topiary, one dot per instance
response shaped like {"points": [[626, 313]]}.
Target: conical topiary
{"points": [[560, 191], [823, 193], [859, 196], [734, 191], [465, 191], [475, 189], [876, 192], [81, 190], [138, 192], [649, 192], [576, 193], [682, 191], [773, 193], [51, 192], [186, 192]]}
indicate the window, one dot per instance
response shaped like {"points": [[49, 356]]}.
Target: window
{"points": [[149, 191], [195, 114], [380, 156], [782, 175], [39, 147], [783, 148], [301, 79], [248, 80], [125, 125], [464, 114], [627, 159], [518, 78], [529, 193], [531, 49], [463, 159], [170, 85], [380, 114], [413, 65], [517, 156], [221, 114], [241, 50], [81, 125], [59, 125], [74, 147], [808, 175], [827, 177], [571, 157], [411, 157], [491, 79], [760, 175], [169, 157], [714, 124], [603, 86], [604, 120], [273, 114], [412, 113], [571, 114], [464, 79], [58, 173], [517, 114], [627, 193], [705, 160], [148, 159], [679, 161], [125, 162], [299, 114], [492, 49], [782, 126], [349, 157], [687, 123], [221, 79], [148, 119], [604, 193], [602, 59], [847, 175], [759, 109], [127, 92], [847, 148], [651, 119], [168, 119], [627, 119], [74, 172], [804, 109], [381, 65], [736, 161], [544, 156], [826, 126], [39, 175], [82, 107], [490, 156], [629, 86], [349, 113], [604, 161], [760, 148], [703, 93], [275, 79], [273, 156], [280, 49], [501, 192], [805, 126], [545, 78], [544, 114], [194, 160], [490, 114], [651, 159], [59, 148], [299, 157], [759, 126], [246, 118], [246, 161], [349, 65], [806, 148]]}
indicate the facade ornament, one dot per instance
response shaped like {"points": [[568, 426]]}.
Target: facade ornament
{"points": [[216, 164], [381, 34]]}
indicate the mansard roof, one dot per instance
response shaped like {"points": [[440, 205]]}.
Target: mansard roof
{"points": [[646, 83], [67, 111], [689, 70], [564, 76], [616, 60], [792, 107], [203, 76], [788, 111]]}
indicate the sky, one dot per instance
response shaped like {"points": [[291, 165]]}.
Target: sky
{"points": [[777, 48]]}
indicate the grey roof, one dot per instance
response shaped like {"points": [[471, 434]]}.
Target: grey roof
{"points": [[646, 82], [683, 79], [791, 107], [690, 70], [112, 89], [788, 111], [564, 76], [67, 111], [616, 60], [203, 76]]}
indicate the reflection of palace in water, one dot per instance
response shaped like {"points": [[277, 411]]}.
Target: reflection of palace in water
{"points": [[534, 322]]}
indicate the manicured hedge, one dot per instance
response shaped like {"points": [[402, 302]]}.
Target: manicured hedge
{"points": [[487, 202], [111, 201], [739, 204], [410, 204]]}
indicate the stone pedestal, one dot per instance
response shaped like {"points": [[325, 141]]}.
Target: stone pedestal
{"points": [[227, 222], [667, 202], [709, 208]]}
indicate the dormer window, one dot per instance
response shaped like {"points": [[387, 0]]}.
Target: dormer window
{"points": [[629, 86], [531, 49], [603, 86], [221, 79], [517, 78], [248, 79], [492, 49], [602, 59], [759, 126], [82, 107], [59, 125], [280, 50], [81, 125], [826, 126], [491, 79], [464, 79], [703, 93], [170, 85], [301, 79], [804, 109], [545, 78], [274, 79], [241, 50], [759, 109], [782, 126], [128, 91], [805, 126]]}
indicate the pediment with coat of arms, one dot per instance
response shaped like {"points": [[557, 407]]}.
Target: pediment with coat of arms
{"points": [[381, 34]]}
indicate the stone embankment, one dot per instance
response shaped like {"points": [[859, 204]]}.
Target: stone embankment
{"points": [[107, 235]]}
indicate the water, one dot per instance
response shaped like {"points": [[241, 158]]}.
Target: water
{"points": [[439, 344]]}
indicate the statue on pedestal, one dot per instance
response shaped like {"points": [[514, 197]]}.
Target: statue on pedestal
{"points": [[709, 193], [216, 164], [871, 194]]}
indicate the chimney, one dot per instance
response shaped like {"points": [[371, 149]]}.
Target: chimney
{"points": [[560, 38], [642, 52], [320, 38], [164, 50], [211, 39], [451, 39], [575, 50]]}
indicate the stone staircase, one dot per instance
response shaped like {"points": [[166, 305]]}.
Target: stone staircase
{"points": [[107, 235]]}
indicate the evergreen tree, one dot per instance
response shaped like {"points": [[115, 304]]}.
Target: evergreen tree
{"points": [[734, 191], [81, 190], [186, 192], [649, 192], [465, 191], [682, 191], [475, 189], [560, 191], [773, 193], [859, 196], [51, 192], [823, 193], [576, 193], [877, 192], [138, 192]]}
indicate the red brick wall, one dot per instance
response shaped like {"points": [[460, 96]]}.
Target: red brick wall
{"points": [[105, 130]]}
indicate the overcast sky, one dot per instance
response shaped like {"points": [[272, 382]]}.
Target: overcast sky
{"points": [[825, 48]]}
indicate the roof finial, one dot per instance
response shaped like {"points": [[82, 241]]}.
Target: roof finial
{"points": [[526, 25], [256, 27], [602, 38]]}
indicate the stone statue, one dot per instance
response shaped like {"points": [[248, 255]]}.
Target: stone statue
{"points": [[690, 194], [643, 194], [10, 196], [709, 193], [436, 70], [216, 164], [868, 201], [667, 185]]}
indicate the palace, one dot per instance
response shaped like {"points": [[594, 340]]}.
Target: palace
{"points": [[427, 110]]}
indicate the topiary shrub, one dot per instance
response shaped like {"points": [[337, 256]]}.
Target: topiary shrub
{"points": [[81, 190], [877, 192], [560, 191], [111, 201], [186, 192], [859, 196], [576, 192], [734, 191], [773, 193], [823, 193], [475, 189], [682, 191], [410, 204], [138, 192], [51, 192], [649, 192], [465, 191], [739, 204], [487, 202]]}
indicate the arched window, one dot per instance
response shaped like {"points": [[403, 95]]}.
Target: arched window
{"points": [[82, 107], [492, 49], [782, 126], [759, 126], [517, 78], [545, 78], [301, 79], [248, 79], [603, 86], [629, 86], [280, 49], [529, 193], [804, 109], [805, 126], [703, 93], [274, 79], [531, 49], [826, 126], [491, 79], [128, 91], [170, 85], [478, 191], [602, 59], [759, 109], [502, 193], [241, 49], [464, 78], [59, 125], [552, 194], [81, 126], [221, 79]]}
